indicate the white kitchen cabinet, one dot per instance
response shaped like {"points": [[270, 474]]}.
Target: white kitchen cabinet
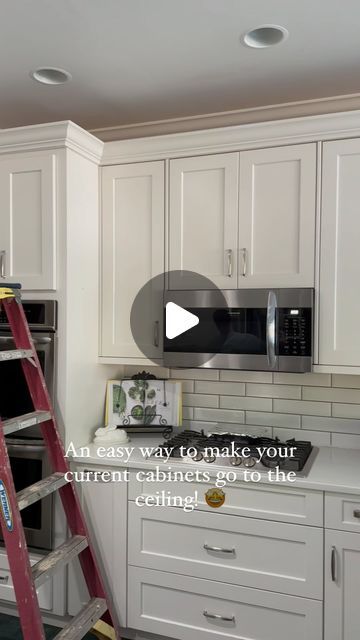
{"points": [[7, 593], [203, 218], [253, 227], [186, 608], [339, 299], [342, 585], [28, 220], [105, 509], [275, 556], [277, 217], [133, 252]]}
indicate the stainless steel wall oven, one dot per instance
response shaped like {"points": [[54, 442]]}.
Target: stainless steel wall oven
{"points": [[27, 453]]}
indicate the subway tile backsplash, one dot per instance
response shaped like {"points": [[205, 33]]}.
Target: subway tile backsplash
{"points": [[319, 407]]}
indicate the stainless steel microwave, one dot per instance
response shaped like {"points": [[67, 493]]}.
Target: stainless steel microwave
{"points": [[249, 329]]}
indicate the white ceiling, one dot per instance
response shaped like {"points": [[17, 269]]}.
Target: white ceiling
{"points": [[140, 60]]}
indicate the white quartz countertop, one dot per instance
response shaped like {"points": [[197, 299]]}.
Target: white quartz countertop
{"points": [[333, 469]]}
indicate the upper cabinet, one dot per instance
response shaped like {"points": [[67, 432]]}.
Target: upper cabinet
{"points": [[203, 218], [28, 220], [277, 217], [133, 252], [339, 309], [245, 220]]}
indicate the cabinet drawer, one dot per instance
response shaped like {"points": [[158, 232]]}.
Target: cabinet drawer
{"points": [[180, 607], [279, 503], [342, 512], [45, 596], [267, 555]]}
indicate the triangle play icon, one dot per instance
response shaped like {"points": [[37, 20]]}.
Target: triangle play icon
{"points": [[178, 320]]}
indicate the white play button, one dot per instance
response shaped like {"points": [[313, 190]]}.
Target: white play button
{"points": [[178, 320]]}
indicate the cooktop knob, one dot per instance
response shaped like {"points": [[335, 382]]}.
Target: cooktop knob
{"points": [[209, 459], [236, 461], [249, 462]]}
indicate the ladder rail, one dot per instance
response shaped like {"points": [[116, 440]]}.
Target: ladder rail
{"points": [[17, 552]]}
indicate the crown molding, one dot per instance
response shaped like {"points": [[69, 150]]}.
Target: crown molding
{"points": [[56, 135], [235, 138], [273, 112]]}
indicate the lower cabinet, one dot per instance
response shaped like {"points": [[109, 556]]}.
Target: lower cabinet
{"points": [[342, 585], [185, 608], [7, 594], [105, 508], [281, 557]]}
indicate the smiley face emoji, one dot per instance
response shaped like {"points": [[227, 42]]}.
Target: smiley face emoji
{"points": [[215, 498]]}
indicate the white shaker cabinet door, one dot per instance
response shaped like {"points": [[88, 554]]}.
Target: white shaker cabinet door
{"points": [[277, 217], [28, 220], [105, 508], [339, 313], [203, 218], [342, 585], [133, 252]]}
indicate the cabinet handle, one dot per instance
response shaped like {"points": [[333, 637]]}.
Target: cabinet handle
{"points": [[218, 549], [244, 261], [229, 254], [218, 616], [4, 579], [333, 564], [2, 264], [356, 513], [156, 333]]}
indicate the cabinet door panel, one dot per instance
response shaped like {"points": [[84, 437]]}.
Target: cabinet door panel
{"points": [[342, 593], [104, 504], [132, 253], [266, 555], [188, 608], [203, 218], [339, 263], [27, 220], [277, 217]]}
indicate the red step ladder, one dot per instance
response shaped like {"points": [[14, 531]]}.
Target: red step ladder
{"points": [[27, 578]]}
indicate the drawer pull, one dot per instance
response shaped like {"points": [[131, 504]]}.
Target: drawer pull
{"points": [[207, 547], [356, 513], [333, 564], [4, 579], [218, 616]]}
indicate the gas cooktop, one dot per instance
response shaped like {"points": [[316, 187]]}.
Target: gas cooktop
{"points": [[240, 450]]}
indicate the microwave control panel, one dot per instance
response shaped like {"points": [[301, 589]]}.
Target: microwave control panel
{"points": [[294, 337]]}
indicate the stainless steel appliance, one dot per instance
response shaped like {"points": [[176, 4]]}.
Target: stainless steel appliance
{"points": [[239, 450], [251, 329], [27, 453]]}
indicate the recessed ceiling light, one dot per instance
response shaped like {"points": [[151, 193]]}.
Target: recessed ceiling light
{"points": [[51, 75], [267, 35]]}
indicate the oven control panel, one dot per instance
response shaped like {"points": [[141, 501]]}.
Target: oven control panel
{"points": [[294, 337]]}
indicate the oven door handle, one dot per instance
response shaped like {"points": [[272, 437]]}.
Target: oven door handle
{"points": [[42, 340], [25, 447], [271, 330]]}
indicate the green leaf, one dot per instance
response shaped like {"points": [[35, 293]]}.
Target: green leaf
{"points": [[133, 393], [151, 394], [137, 412], [150, 413], [119, 399]]}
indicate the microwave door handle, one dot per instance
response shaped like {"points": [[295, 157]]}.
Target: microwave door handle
{"points": [[271, 329]]}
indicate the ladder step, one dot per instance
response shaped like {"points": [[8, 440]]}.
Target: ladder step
{"points": [[61, 556], [26, 420], [16, 354], [84, 621], [40, 489]]}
